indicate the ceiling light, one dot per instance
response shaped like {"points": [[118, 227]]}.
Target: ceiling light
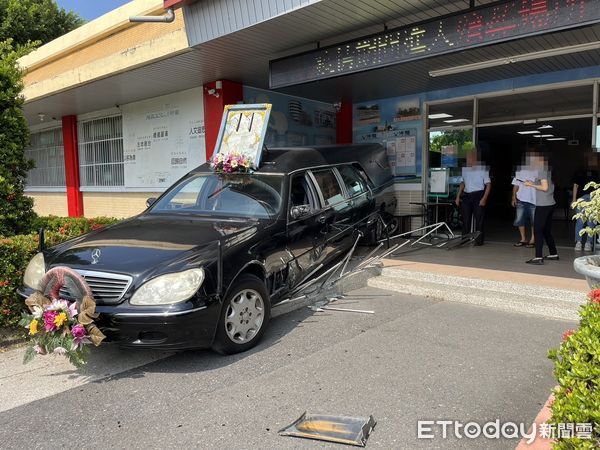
{"points": [[456, 120], [440, 116], [545, 127], [547, 135], [516, 58], [529, 132], [557, 139], [538, 136]]}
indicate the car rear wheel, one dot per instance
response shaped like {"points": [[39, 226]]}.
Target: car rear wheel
{"points": [[244, 316]]}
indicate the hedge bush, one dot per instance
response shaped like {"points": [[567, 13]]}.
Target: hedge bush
{"points": [[17, 251], [577, 369], [71, 226]]}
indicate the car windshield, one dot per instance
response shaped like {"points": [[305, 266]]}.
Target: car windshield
{"points": [[232, 195]]}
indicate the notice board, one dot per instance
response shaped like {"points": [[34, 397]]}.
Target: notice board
{"points": [[163, 139]]}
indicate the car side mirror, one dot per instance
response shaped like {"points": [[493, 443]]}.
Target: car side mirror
{"points": [[299, 211], [150, 202]]}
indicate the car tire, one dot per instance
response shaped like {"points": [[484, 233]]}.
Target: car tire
{"points": [[244, 316]]}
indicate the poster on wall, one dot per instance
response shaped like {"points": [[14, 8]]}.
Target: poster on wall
{"points": [[401, 149], [396, 124], [163, 139], [243, 130], [368, 114], [408, 110]]}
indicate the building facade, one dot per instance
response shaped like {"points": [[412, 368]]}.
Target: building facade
{"points": [[118, 111]]}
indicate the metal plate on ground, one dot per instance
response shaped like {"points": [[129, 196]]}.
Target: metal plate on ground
{"points": [[341, 429]]}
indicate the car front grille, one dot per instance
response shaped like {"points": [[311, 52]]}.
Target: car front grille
{"points": [[107, 288]]}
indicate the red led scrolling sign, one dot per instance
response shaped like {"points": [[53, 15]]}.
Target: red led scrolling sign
{"points": [[488, 24]]}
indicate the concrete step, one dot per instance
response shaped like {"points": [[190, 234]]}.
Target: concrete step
{"points": [[504, 295]]}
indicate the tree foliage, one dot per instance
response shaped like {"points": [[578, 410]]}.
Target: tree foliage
{"points": [[16, 211], [24, 24], [463, 139], [40, 21]]}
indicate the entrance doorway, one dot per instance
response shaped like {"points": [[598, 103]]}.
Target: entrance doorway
{"points": [[503, 150], [558, 121]]}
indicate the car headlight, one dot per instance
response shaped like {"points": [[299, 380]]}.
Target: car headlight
{"points": [[36, 269], [168, 289]]}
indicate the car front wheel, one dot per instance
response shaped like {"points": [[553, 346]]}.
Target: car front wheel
{"points": [[244, 316]]}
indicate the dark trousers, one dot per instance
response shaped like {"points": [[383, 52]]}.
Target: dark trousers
{"points": [[470, 208], [542, 230]]}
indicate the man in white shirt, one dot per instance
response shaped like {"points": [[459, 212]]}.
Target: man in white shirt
{"points": [[523, 199], [476, 185]]}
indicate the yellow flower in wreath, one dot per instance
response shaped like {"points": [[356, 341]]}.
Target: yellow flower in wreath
{"points": [[33, 327], [60, 319]]}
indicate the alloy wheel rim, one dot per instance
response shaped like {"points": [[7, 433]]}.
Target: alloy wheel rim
{"points": [[244, 316]]}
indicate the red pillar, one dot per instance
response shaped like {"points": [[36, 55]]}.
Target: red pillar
{"points": [[344, 123], [230, 93], [74, 196]]}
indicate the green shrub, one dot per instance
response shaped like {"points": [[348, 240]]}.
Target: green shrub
{"points": [[17, 251], [577, 369], [71, 226]]}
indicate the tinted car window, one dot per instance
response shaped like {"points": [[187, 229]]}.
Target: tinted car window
{"points": [[353, 181], [239, 195], [301, 194], [187, 196], [331, 189]]}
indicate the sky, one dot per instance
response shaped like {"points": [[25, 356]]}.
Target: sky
{"points": [[90, 9]]}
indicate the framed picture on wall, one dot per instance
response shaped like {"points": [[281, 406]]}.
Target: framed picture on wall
{"points": [[243, 130]]}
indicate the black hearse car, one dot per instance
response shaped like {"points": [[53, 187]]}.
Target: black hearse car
{"points": [[204, 264]]}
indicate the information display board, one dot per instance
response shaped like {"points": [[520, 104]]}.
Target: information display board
{"points": [[488, 24], [164, 139], [439, 182]]}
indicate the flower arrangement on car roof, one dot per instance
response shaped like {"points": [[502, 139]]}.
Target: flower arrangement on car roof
{"points": [[233, 162], [57, 326]]}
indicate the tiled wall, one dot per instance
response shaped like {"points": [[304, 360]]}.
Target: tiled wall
{"points": [[115, 204], [49, 203]]}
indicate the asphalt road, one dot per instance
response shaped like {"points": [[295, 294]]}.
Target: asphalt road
{"points": [[415, 358]]}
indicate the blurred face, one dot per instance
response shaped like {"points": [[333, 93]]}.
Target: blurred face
{"points": [[472, 159], [537, 161]]}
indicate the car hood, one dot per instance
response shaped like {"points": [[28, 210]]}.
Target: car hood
{"points": [[142, 244]]}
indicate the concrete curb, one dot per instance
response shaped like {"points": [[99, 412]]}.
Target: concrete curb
{"points": [[543, 416], [507, 296]]}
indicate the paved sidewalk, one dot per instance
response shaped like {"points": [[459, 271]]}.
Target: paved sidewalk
{"points": [[415, 358], [495, 261], [46, 376]]}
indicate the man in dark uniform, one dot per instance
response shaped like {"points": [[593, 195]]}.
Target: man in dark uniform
{"points": [[476, 185]]}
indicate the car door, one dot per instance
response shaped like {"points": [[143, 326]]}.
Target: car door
{"points": [[336, 213], [306, 228]]}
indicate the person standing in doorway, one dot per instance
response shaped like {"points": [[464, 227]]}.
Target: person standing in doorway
{"points": [[523, 199], [584, 176], [472, 195], [544, 209]]}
